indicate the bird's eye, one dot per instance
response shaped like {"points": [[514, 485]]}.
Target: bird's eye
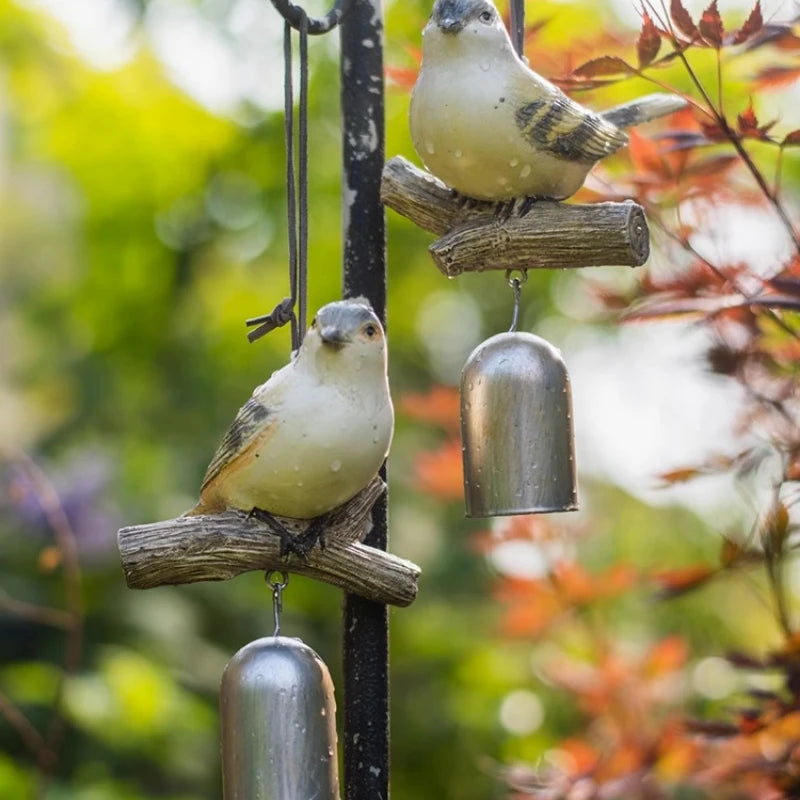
{"points": [[370, 330], [486, 16]]}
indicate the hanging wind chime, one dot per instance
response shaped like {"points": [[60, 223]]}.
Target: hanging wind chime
{"points": [[505, 147], [278, 719], [277, 698], [277, 708]]}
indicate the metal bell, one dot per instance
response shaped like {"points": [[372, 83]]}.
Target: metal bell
{"points": [[516, 428], [278, 723]]}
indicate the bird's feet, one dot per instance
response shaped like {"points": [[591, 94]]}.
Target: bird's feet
{"points": [[464, 203], [302, 544], [528, 203], [504, 209]]}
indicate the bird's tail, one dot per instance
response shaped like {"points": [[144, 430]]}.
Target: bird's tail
{"points": [[644, 109]]}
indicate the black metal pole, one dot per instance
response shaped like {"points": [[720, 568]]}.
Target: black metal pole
{"points": [[518, 26], [366, 638]]}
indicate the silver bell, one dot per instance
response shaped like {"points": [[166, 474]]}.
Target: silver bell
{"points": [[516, 428], [278, 723]]}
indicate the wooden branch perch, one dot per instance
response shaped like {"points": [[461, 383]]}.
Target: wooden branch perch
{"points": [[551, 235], [221, 546]]}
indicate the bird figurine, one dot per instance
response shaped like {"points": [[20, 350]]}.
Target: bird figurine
{"points": [[491, 128], [314, 434]]}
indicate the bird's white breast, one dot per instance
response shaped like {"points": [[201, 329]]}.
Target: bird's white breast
{"points": [[463, 126], [324, 443]]}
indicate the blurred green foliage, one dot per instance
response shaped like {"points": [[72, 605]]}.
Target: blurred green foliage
{"points": [[138, 231]]}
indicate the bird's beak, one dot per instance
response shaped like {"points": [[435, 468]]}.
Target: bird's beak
{"points": [[451, 25], [332, 336]]}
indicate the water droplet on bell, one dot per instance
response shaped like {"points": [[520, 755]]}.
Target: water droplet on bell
{"points": [[457, 153], [336, 465], [514, 162], [516, 428], [430, 148], [525, 171]]}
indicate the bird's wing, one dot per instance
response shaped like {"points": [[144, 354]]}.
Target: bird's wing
{"points": [[553, 122], [245, 428]]}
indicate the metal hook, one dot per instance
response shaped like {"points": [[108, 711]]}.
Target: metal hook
{"points": [[277, 587], [294, 16], [516, 285]]}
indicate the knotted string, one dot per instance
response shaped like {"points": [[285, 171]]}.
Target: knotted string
{"points": [[296, 195]]}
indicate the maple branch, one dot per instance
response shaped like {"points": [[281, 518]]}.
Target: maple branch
{"points": [[731, 279], [774, 555], [735, 140]]}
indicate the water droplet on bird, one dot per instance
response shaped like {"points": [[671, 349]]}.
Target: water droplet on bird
{"points": [[485, 66], [431, 149], [336, 465]]}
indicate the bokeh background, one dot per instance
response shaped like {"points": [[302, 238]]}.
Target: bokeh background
{"points": [[142, 219]]}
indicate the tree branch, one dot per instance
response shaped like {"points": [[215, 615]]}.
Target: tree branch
{"points": [[221, 546], [550, 236]]}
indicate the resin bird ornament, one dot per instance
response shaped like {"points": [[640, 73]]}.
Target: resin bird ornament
{"points": [[314, 434], [491, 128]]}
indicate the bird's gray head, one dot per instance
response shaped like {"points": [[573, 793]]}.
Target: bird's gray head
{"points": [[452, 16], [345, 333]]}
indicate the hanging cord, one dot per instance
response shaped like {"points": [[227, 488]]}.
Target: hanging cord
{"points": [[296, 192], [296, 195], [518, 26], [277, 585]]}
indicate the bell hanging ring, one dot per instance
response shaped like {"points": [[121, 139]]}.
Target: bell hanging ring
{"points": [[516, 427], [278, 720]]}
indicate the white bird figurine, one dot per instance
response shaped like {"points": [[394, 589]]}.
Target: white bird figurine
{"points": [[314, 434], [491, 128]]}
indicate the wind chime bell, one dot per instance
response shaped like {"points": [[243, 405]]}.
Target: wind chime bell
{"points": [[278, 718], [516, 426]]}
